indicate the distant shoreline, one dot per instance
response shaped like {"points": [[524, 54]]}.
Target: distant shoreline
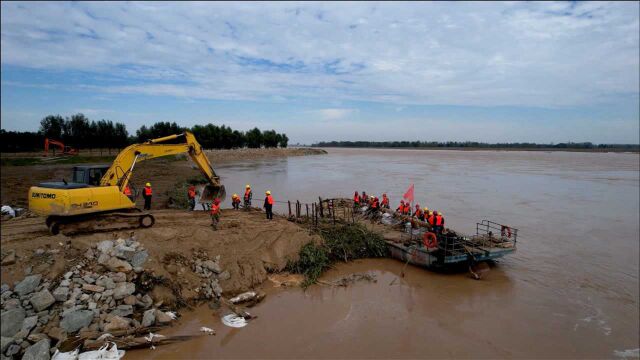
{"points": [[631, 151]]}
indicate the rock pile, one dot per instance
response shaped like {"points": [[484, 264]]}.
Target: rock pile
{"points": [[98, 295]]}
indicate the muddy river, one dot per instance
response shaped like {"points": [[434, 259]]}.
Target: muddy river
{"points": [[570, 291]]}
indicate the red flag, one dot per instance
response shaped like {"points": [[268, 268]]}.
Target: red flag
{"points": [[409, 194]]}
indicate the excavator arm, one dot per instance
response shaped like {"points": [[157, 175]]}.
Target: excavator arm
{"points": [[122, 168]]}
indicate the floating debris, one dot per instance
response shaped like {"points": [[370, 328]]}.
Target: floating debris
{"points": [[207, 330], [233, 320]]}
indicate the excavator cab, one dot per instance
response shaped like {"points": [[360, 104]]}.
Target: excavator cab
{"points": [[89, 174]]}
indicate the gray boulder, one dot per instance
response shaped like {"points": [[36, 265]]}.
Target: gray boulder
{"points": [[11, 321], [42, 300], [76, 320], [123, 310], [139, 258], [38, 351], [61, 293], [149, 318], [123, 290], [29, 323], [212, 266], [28, 284], [106, 282], [105, 246], [6, 341]]}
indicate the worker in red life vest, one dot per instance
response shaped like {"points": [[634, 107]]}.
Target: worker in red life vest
{"points": [[191, 194], [146, 194], [400, 208], [248, 194], [356, 200], [268, 205], [407, 209], [364, 198], [235, 201], [431, 218], [385, 201], [418, 212], [215, 213], [439, 222], [128, 193]]}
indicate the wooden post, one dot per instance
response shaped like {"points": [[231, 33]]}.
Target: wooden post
{"points": [[333, 211], [320, 204], [307, 206], [289, 202]]}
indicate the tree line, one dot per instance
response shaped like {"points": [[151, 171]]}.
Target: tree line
{"points": [[80, 132], [475, 145]]}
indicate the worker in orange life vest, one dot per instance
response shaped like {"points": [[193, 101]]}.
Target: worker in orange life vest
{"points": [[356, 200], [268, 205], [439, 222], [418, 212], [146, 194], [191, 195], [128, 193], [400, 208], [235, 201], [385, 201], [215, 213], [407, 209], [248, 194]]}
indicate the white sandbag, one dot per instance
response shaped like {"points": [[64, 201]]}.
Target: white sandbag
{"points": [[104, 353], [245, 296], [233, 320], [8, 210], [71, 355]]}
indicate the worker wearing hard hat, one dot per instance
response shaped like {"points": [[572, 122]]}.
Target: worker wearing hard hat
{"points": [[146, 194], [418, 212], [425, 214], [268, 205], [439, 222], [247, 197], [235, 201], [385, 201]]}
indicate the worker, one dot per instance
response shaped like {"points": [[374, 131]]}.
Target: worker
{"points": [[247, 197], [431, 219], [191, 194], [364, 198], [400, 208], [439, 222], [407, 208], [385, 201], [268, 205], [215, 213], [356, 200], [418, 212], [146, 194], [235, 201], [128, 193], [374, 207], [425, 214]]}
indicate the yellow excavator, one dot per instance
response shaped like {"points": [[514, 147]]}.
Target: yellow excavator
{"points": [[94, 199]]}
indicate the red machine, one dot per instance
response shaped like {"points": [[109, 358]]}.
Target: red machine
{"points": [[66, 150]]}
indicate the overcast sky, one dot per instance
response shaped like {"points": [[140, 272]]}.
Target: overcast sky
{"points": [[543, 72]]}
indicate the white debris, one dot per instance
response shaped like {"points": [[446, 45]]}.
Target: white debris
{"points": [[243, 297], [71, 355], [631, 353], [8, 210], [171, 314], [150, 338], [233, 320], [104, 353], [207, 330]]}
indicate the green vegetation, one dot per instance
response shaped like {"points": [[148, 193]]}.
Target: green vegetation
{"points": [[26, 161], [343, 242], [477, 145], [19, 161]]}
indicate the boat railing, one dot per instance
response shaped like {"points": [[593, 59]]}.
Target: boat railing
{"points": [[493, 234]]}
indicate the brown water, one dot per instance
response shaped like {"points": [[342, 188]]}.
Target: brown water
{"points": [[570, 291]]}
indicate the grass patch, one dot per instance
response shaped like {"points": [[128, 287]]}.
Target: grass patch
{"points": [[19, 161], [343, 242]]}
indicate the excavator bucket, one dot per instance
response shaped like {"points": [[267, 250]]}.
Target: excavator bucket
{"points": [[210, 192]]}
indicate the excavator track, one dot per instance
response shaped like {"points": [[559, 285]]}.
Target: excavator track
{"points": [[110, 221]]}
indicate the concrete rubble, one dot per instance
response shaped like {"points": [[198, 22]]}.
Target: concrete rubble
{"points": [[101, 293]]}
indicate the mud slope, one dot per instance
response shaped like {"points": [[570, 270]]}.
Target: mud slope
{"points": [[248, 245]]}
